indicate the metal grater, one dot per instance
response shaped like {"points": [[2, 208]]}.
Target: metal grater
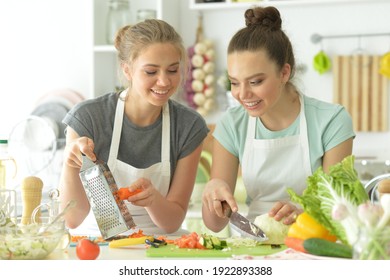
{"points": [[111, 214]]}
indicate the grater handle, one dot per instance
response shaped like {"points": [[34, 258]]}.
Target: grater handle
{"points": [[87, 163]]}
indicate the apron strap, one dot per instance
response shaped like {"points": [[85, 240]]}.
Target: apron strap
{"points": [[303, 134], [116, 133], [166, 133], [250, 133]]}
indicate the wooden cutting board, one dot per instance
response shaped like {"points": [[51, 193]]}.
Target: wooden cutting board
{"points": [[358, 86], [172, 251]]}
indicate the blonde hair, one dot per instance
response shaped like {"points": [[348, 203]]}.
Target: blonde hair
{"points": [[131, 41]]}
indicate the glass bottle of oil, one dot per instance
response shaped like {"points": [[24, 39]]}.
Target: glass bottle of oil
{"points": [[7, 166]]}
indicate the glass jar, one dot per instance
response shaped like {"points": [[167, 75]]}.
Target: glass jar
{"points": [[372, 244], [118, 16], [145, 14]]}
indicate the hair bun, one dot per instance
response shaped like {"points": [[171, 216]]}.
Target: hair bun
{"points": [[120, 34], [268, 17]]}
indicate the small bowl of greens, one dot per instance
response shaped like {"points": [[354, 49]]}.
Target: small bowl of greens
{"points": [[32, 241]]}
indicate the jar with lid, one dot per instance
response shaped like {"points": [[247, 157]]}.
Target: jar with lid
{"points": [[118, 16], [7, 166], [145, 14]]}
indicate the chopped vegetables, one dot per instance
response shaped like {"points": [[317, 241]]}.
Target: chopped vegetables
{"points": [[212, 242], [77, 238], [236, 241], [138, 233], [23, 242], [190, 241]]}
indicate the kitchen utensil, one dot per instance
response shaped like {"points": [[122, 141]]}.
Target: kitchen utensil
{"points": [[243, 225], [7, 207], [172, 251], [156, 243], [33, 144], [130, 241], [321, 62], [45, 228], [112, 215], [362, 91]]}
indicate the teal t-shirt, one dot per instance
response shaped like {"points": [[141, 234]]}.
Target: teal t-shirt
{"points": [[328, 125]]}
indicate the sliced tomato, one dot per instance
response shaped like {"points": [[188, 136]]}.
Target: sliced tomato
{"points": [[189, 241]]}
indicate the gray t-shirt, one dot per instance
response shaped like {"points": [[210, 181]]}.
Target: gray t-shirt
{"points": [[139, 146]]}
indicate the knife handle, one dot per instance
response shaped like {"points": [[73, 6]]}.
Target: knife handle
{"points": [[227, 211]]}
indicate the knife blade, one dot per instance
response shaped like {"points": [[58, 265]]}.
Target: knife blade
{"points": [[243, 225]]}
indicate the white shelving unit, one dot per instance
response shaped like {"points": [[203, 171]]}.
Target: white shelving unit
{"points": [[104, 70], [231, 4]]}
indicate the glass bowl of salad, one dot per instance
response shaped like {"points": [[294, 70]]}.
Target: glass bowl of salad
{"points": [[33, 241]]}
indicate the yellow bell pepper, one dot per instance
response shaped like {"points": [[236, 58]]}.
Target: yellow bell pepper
{"points": [[306, 227]]}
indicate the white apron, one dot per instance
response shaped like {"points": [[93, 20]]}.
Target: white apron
{"points": [[270, 166], [159, 174]]}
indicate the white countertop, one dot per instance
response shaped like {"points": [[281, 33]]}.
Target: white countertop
{"points": [[138, 252]]}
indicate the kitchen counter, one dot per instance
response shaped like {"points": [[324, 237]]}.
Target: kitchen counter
{"points": [[138, 252], [132, 262], [130, 253]]}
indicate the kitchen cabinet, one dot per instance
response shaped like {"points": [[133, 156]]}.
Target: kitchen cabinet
{"points": [[233, 4], [105, 76]]}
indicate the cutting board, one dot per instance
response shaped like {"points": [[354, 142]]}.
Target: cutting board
{"points": [[359, 87], [172, 251]]}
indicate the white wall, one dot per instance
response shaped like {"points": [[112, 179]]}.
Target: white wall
{"points": [[300, 22], [44, 46]]}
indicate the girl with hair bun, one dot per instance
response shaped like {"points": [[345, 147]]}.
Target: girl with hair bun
{"points": [[278, 136], [150, 142]]}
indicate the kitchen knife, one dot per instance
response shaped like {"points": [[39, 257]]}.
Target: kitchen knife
{"points": [[243, 225]]}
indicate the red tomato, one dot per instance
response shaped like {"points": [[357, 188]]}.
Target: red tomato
{"points": [[87, 249]]}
